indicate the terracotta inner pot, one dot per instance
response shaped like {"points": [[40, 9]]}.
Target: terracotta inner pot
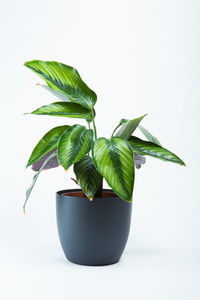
{"points": [[81, 194]]}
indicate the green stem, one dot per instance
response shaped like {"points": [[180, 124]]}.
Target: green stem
{"points": [[95, 130], [94, 125], [89, 125], [115, 129]]}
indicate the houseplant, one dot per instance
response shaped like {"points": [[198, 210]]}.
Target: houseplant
{"points": [[93, 223]]}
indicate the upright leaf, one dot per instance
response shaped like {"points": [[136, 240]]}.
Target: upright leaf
{"points": [[87, 176], [128, 127], [35, 177], [113, 159], [58, 94], [64, 109], [48, 142], [73, 144], [149, 136], [64, 79], [152, 149]]}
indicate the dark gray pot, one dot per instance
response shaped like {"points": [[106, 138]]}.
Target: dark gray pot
{"points": [[92, 232]]}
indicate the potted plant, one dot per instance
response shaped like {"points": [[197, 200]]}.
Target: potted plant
{"points": [[93, 223]]}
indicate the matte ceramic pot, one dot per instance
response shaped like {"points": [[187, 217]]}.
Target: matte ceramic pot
{"points": [[92, 232]]}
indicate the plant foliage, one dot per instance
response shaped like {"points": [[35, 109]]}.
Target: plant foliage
{"points": [[94, 159]]}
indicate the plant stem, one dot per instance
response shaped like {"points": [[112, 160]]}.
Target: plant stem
{"points": [[115, 129], [89, 125], [99, 191], [94, 125], [95, 130]]}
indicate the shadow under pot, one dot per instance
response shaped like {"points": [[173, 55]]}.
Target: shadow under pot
{"points": [[92, 233]]}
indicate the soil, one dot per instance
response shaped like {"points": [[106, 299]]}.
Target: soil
{"points": [[105, 194]]}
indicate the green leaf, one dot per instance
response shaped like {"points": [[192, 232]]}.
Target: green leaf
{"points": [[152, 149], [73, 144], [128, 127], [46, 144], [64, 79], [28, 192], [149, 136], [52, 163], [113, 159], [58, 94], [87, 176], [64, 109], [122, 121]]}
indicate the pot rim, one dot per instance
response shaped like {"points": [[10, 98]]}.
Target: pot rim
{"points": [[61, 192]]}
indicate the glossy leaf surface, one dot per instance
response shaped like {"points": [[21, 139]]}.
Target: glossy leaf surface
{"points": [[113, 159], [59, 95], [149, 148], [74, 144], [149, 136], [128, 127], [87, 176], [64, 79], [64, 109], [46, 144]]}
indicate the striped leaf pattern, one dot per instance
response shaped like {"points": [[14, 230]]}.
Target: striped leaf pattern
{"points": [[64, 79], [48, 142], [87, 176], [64, 109], [149, 136], [152, 149], [128, 127], [74, 144], [113, 159]]}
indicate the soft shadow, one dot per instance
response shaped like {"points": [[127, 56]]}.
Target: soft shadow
{"points": [[161, 258]]}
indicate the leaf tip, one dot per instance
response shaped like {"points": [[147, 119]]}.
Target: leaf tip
{"points": [[24, 210]]}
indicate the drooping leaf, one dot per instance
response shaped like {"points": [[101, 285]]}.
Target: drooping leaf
{"points": [[113, 159], [139, 160], [64, 79], [73, 144], [87, 176], [48, 142], [152, 149], [149, 136], [35, 177], [52, 163], [64, 109], [128, 127]]}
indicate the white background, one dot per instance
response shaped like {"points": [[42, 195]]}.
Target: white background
{"points": [[140, 57]]}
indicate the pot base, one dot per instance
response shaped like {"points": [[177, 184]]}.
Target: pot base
{"points": [[90, 264]]}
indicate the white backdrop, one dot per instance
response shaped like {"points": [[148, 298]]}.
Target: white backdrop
{"points": [[140, 57]]}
